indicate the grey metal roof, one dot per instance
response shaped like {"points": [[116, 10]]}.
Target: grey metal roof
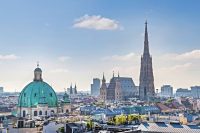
{"points": [[168, 128]]}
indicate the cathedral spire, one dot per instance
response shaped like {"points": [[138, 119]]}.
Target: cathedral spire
{"points": [[75, 89], [71, 85], [103, 80], [146, 86], [146, 41]]}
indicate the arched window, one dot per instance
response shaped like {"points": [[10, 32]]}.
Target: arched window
{"points": [[67, 111], [24, 113], [40, 113], [145, 91], [45, 112], [51, 94], [52, 111], [35, 113]]}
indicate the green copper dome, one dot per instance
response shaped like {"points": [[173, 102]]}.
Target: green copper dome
{"points": [[38, 92]]}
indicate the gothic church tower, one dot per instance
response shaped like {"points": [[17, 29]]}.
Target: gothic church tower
{"points": [[146, 86], [103, 90]]}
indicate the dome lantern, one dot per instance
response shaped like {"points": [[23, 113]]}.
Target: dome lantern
{"points": [[38, 73]]}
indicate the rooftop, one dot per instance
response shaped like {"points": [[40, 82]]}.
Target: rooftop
{"points": [[166, 128]]}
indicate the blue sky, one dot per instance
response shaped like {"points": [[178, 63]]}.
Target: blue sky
{"points": [[71, 50]]}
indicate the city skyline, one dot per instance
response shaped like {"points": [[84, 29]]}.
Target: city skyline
{"points": [[80, 46]]}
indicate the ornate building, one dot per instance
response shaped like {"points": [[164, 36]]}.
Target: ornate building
{"points": [[65, 104], [38, 98], [146, 86], [123, 87], [128, 88], [113, 92]]}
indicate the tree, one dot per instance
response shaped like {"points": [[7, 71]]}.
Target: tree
{"points": [[90, 125], [133, 117]]}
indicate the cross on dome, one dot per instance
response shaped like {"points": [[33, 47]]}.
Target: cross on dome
{"points": [[38, 64]]}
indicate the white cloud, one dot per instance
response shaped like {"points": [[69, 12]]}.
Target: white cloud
{"points": [[63, 58], [96, 22], [9, 57], [187, 56], [60, 70], [195, 54], [177, 67], [125, 70], [126, 57], [182, 66]]}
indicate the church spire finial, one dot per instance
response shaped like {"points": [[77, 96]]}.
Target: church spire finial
{"points": [[103, 80], [71, 85], [38, 64]]}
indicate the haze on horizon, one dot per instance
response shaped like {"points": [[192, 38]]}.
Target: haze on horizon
{"points": [[75, 41]]}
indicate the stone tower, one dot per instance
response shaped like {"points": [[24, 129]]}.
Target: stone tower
{"points": [[118, 91], [103, 90], [146, 86]]}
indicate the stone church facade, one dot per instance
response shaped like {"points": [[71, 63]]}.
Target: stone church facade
{"points": [[113, 92]]}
